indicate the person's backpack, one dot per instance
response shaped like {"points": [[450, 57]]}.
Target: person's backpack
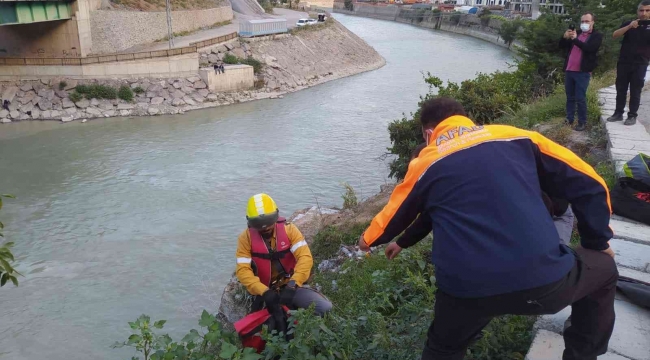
{"points": [[627, 199], [638, 168], [250, 327]]}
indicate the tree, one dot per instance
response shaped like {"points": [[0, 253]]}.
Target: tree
{"points": [[508, 31], [7, 272]]}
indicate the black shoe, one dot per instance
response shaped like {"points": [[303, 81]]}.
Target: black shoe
{"points": [[631, 120], [580, 127], [568, 122], [615, 117]]}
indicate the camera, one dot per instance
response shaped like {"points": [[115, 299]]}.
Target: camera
{"points": [[572, 27], [644, 22]]}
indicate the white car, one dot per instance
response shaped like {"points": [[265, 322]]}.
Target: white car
{"points": [[305, 22]]}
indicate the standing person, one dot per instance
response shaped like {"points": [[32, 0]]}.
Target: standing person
{"points": [[496, 250], [273, 259], [581, 59], [632, 63]]}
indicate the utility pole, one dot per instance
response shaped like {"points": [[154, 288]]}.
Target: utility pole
{"points": [[170, 31]]}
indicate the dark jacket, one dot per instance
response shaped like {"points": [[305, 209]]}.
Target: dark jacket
{"points": [[589, 50], [481, 187]]}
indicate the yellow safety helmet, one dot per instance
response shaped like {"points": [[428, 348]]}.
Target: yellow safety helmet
{"points": [[261, 211]]}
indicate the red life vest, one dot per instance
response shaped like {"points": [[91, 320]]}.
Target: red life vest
{"points": [[263, 258]]}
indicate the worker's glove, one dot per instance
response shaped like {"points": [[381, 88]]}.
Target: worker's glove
{"points": [[287, 295], [272, 300]]}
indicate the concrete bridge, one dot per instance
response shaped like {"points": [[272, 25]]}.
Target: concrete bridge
{"points": [[53, 28], [25, 12]]}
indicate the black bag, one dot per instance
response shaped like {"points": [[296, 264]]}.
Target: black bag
{"points": [[638, 292], [626, 204]]}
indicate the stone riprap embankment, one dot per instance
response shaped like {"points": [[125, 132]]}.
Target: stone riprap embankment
{"points": [[114, 31], [44, 100]]}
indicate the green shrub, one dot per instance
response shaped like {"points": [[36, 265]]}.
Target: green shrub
{"points": [[62, 85], [125, 93], [256, 64], [328, 241], [97, 91], [75, 96], [230, 59], [349, 197], [138, 90]]}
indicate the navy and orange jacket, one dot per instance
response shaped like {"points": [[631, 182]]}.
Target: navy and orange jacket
{"points": [[481, 187]]}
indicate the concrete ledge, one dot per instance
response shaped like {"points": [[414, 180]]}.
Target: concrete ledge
{"points": [[164, 67], [234, 78], [631, 255], [630, 230], [548, 345]]}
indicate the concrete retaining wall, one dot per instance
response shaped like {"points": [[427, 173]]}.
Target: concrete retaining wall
{"points": [[234, 78], [175, 66], [115, 31]]}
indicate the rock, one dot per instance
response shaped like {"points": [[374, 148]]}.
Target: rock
{"points": [[28, 97], [66, 103], [222, 48], [213, 58], [55, 100], [109, 113], [228, 46], [193, 79], [163, 84], [94, 102], [177, 94], [45, 104], [4, 113], [26, 87], [93, 111], [178, 102], [106, 105], [239, 53], [9, 94], [177, 85], [83, 103], [155, 88], [5, 121], [125, 112], [157, 100], [187, 90], [151, 94], [165, 94], [200, 85], [84, 120], [134, 85], [70, 111], [67, 118], [57, 107], [71, 84], [188, 100], [235, 304], [197, 97], [214, 50], [47, 93], [246, 47], [153, 111], [47, 114], [36, 99], [125, 106], [61, 93], [203, 92], [15, 114], [36, 113], [26, 108]]}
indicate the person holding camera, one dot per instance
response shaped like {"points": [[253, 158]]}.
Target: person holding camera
{"points": [[632, 63], [581, 59]]}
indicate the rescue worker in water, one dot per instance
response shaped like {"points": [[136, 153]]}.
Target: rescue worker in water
{"points": [[273, 259]]}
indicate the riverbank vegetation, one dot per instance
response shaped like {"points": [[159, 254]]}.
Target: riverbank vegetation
{"points": [[7, 271]]}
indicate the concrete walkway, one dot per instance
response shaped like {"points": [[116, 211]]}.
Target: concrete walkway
{"points": [[631, 337], [291, 16]]}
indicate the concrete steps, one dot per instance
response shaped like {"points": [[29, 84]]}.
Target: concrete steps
{"points": [[548, 345]]}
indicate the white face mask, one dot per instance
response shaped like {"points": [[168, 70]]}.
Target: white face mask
{"points": [[585, 27]]}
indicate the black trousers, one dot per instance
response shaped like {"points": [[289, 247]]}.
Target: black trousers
{"points": [[632, 76], [589, 288]]}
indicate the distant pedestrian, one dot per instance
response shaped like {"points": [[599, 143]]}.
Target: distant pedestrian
{"points": [[582, 47], [5, 104], [216, 68], [632, 63], [223, 69]]}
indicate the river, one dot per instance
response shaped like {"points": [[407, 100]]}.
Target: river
{"points": [[119, 217]]}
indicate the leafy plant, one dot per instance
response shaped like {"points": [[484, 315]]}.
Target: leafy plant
{"points": [[125, 93], [138, 90], [256, 64], [349, 197], [508, 31], [230, 59], [62, 85], [7, 272], [97, 91], [75, 96]]}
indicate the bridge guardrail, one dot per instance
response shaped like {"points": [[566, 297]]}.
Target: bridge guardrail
{"points": [[99, 58], [216, 40]]}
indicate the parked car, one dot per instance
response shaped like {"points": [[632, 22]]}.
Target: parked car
{"points": [[302, 22]]}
